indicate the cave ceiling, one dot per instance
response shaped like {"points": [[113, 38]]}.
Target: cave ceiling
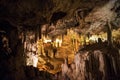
{"points": [[37, 12]]}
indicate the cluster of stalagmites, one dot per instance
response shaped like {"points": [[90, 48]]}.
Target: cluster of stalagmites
{"points": [[97, 64]]}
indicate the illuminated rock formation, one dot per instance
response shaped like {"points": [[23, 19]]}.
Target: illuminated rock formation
{"points": [[95, 64], [67, 26]]}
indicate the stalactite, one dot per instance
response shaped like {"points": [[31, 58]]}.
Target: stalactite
{"points": [[39, 32], [109, 34]]}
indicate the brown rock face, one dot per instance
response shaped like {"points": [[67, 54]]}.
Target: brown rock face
{"points": [[94, 64]]}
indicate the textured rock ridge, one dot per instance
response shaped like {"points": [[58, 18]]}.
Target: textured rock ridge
{"points": [[97, 64]]}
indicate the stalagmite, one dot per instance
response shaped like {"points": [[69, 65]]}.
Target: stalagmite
{"points": [[64, 67]]}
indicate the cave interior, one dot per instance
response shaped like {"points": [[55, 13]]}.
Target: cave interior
{"points": [[59, 40]]}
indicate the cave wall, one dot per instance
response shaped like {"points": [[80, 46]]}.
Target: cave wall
{"points": [[15, 43], [12, 58]]}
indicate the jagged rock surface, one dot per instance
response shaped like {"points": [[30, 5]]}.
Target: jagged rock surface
{"points": [[96, 64]]}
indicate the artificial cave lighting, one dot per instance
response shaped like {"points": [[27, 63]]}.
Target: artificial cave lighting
{"points": [[32, 60], [49, 51], [58, 42], [60, 47], [59, 39], [47, 40], [94, 38]]}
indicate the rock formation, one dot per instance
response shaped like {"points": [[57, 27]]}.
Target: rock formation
{"points": [[95, 64], [21, 22]]}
